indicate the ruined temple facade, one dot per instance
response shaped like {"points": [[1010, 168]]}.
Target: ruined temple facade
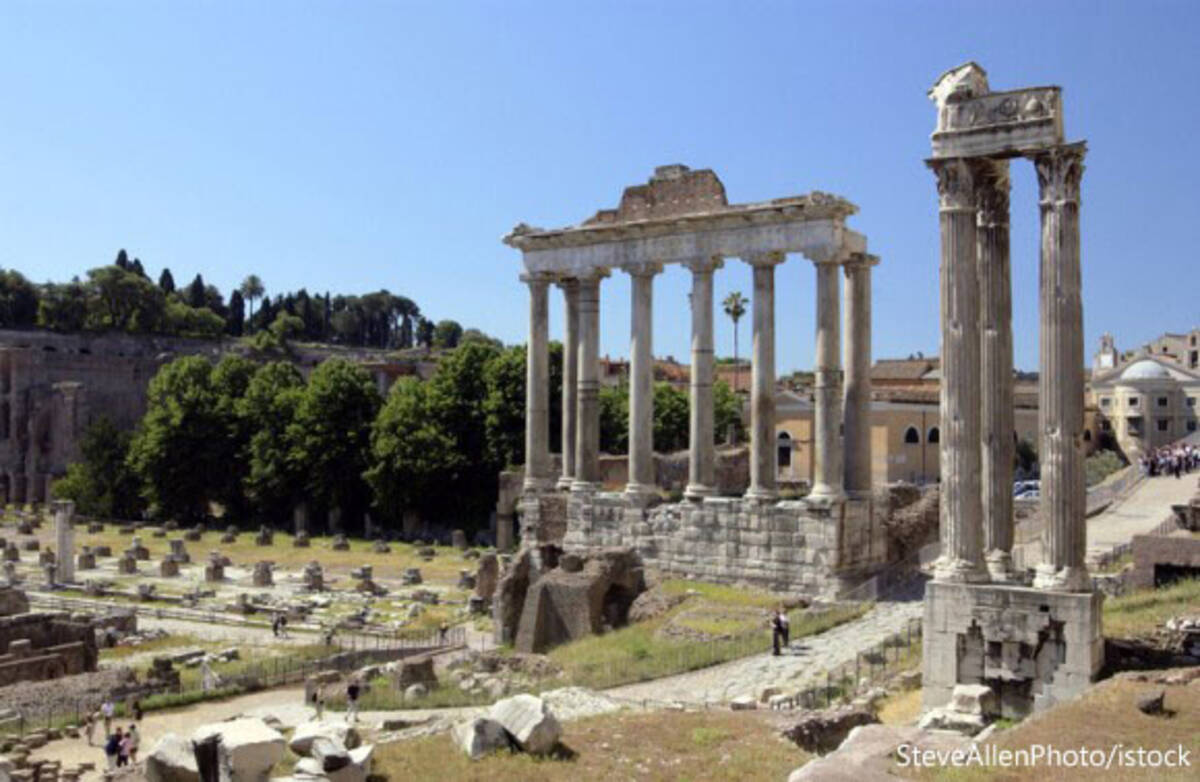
{"points": [[815, 545], [52, 386], [1033, 641]]}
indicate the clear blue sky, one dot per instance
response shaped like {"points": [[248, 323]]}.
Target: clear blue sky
{"points": [[353, 146]]}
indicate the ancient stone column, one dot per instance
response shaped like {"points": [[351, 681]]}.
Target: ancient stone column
{"points": [[961, 520], [701, 454], [64, 537], [641, 483], [587, 418], [996, 365], [1060, 382], [570, 372], [537, 386], [856, 410], [762, 381], [827, 389]]}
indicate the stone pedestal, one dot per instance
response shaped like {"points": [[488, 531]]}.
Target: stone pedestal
{"points": [[178, 552], [64, 535], [168, 568], [262, 575], [1033, 648], [138, 551], [127, 565], [86, 559], [458, 539]]}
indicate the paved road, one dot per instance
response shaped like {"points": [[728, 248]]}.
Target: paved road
{"points": [[1143, 510], [810, 658]]}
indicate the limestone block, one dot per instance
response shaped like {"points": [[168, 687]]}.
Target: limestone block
{"points": [[417, 670], [330, 753], [480, 736], [252, 746], [974, 699], [172, 760], [529, 721]]}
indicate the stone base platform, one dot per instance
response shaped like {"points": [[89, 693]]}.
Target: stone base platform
{"points": [[1033, 647]]}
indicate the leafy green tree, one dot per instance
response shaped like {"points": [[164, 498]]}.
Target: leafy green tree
{"points": [[504, 406], [670, 418], [425, 332], [727, 413], [411, 453], [122, 260], [188, 321], [195, 293], [18, 300], [268, 410], [136, 267], [166, 282], [177, 446], [447, 334], [123, 301], [331, 435], [614, 418], [63, 307], [101, 483]]}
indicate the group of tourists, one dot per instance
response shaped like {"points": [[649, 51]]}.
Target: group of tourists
{"points": [[120, 746], [354, 690], [1177, 460]]}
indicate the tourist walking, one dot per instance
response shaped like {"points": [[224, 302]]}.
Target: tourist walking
{"points": [[106, 712], [132, 740], [137, 710], [785, 628], [776, 634], [319, 700], [352, 693], [89, 728], [112, 749]]}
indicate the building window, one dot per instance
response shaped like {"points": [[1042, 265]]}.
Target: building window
{"points": [[1163, 424], [1191, 426], [935, 436], [1162, 401], [911, 435], [1133, 401], [785, 449], [1105, 401]]}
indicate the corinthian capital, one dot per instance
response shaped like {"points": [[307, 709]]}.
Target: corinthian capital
{"points": [[992, 187], [955, 183], [1059, 171]]}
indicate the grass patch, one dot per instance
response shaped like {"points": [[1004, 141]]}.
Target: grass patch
{"points": [[1141, 612], [902, 708], [118, 653], [695, 746]]}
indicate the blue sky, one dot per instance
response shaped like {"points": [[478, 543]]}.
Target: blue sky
{"points": [[353, 146]]}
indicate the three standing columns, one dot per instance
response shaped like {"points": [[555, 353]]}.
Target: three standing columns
{"points": [[857, 391], [827, 389], [701, 437], [537, 386], [570, 377], [762, 384], [961, 521], [1060, 382], [996, 365], [641, 483], [587, 406]]}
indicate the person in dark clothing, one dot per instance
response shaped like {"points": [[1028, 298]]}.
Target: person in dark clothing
{"points": [[352, 693], [776, 634], [112, 749]]}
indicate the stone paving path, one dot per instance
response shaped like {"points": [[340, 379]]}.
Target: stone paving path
{"points": [[1143, 510], [808, 659]]}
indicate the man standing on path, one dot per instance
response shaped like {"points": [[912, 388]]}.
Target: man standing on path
{"points": [[106, 712], [352, 693]]}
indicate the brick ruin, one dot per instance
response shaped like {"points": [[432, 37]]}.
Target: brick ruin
{"points": [[42, 645]]}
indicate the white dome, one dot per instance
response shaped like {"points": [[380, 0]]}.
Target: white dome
{"points": [[1145, 370]]}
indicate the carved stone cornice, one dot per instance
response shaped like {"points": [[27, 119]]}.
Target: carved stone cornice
{"points": [[857, 261], [992, 187], [955, 183], [1059, 173]]}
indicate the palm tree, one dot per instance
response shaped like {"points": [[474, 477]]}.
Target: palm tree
{"points": [[735, 308], [252, 288]]}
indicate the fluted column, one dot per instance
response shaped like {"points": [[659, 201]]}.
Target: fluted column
{"points": [[587, 418], [537, 386], [996, 366], [856, 410], [641, 483], [762, 382], [701, 454], [570, 374], [827, 389], [1060, 381], [961, 521]]}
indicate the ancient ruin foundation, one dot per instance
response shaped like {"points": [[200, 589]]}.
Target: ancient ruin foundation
{"points": [[819, 544], [1032, 645]]}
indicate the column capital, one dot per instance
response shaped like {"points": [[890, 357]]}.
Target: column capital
{"points": [[772, 258], [955, 183], [992, 187], [594, 274], [857, 261], [537, 278], [643, 269], [568, 284], [1059, 172], [704, 265]]}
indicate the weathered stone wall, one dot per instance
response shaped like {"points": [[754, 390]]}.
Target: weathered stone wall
{"points": [[1152, 553], [786, 546], [46, 633]]}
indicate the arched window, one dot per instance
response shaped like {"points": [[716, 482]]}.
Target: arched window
{"points": [[935, 436], [911, 435], [1087, 435], [785, 449]]}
